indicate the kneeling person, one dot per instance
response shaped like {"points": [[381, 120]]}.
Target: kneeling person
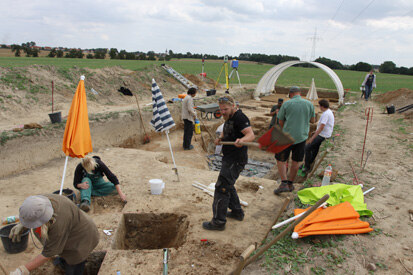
{"points": [[89, 181], [61, 227], [236, 128]]}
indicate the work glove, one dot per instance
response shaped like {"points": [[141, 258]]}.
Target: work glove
{"points": [[15, 233], [21, 270]]}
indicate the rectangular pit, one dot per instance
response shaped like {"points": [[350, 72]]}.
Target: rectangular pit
{"points": [[151, 231]]}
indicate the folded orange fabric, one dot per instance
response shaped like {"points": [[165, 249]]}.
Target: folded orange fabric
{"points": [[338, 219]]}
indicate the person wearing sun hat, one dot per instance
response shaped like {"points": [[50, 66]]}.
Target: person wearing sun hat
{"points": [[61, 227]]}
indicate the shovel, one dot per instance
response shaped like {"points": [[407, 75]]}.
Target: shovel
{"points": [[273, 141]]}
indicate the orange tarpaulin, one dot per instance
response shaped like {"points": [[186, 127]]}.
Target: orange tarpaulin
{"points": [[338, 219], [77, 141]]}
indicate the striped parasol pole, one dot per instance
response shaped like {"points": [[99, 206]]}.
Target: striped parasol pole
{"points": [[161, 118]]}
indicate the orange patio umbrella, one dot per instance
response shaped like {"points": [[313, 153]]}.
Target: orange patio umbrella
{"points": [[338, 219], [77, 141]]}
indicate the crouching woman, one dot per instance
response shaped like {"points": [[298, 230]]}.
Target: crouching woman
{"points": [[90, 182], [61, 227]]}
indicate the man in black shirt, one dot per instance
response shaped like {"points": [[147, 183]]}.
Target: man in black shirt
{"points": [[237, 128]]}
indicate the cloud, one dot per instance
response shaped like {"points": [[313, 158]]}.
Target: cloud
{"points": [[219, 27], [392, 23]]}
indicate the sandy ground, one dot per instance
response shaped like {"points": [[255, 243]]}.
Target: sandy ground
{"points": [[389, 169]]}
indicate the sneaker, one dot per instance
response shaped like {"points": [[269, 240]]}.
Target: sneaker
{"points": [[236, 216], [85, 205], [284, 187], [213, 226]]}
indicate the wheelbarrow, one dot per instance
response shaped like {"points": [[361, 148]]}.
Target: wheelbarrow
{"points": [[209, 110]]}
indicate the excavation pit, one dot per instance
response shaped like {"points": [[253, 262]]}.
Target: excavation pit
{"points": [[151, 231]]}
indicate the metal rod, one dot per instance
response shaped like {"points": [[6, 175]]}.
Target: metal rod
{"points": [[52, 95], [63, 177], [165, 261], [368, 191], [293, 218], [367, 112]]}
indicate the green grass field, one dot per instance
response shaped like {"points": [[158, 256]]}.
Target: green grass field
{"points": [[250, 73]]}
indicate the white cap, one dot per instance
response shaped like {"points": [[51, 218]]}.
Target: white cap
{"points": [[82, 77]]}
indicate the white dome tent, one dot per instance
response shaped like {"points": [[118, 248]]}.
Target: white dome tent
{"points": [[267, 82]]}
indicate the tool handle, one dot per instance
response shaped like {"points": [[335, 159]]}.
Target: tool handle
{"points": [[285, 231], [251, 144]]}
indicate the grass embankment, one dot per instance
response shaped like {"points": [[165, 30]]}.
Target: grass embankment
{"points": [[250, 73]]}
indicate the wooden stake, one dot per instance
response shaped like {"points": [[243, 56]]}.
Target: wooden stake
{"points": [[287, 230], [316, 166], [283, 207], [3, 269], [247, 252]]}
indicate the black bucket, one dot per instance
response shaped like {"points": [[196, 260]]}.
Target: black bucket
{"points": [[68, 193], [10, 246], [390, 109], [211, 92], [56, 117]]}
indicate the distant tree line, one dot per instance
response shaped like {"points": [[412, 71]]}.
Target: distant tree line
{"points": [[123, 54], [386, 67], [31, 50]]}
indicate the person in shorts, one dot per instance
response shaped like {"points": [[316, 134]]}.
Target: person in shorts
{"points": [[294, 117]]}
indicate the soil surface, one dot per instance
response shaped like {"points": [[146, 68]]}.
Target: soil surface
{"points": [[33, 164]]}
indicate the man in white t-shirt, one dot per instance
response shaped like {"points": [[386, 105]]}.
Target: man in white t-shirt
{"points": [[324, 130]]}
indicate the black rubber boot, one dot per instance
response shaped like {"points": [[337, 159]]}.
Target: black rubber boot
{"points": [[212, 226], [236, 216]]}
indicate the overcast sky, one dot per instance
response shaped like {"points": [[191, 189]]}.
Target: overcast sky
{"points": [[349, 31]]}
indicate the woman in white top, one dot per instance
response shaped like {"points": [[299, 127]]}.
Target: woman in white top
{"points": [[324, 130]]}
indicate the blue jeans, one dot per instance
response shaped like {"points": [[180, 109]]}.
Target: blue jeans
{"points": [[368, 91]]}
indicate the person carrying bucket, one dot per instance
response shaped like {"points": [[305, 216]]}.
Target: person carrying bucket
{"points": [[61, 227], [89, 181]]}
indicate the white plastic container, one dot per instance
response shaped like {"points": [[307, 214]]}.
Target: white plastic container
{"points": [[157, 185], [327, 175]]}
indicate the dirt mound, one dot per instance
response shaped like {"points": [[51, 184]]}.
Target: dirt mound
{"points": [[27, 91], [201, 82], [399, 98], [392, 96]]}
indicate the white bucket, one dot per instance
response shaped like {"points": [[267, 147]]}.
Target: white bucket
{"points": [[156, 186]]}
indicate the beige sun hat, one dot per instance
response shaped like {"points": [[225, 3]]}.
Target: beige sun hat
{"points": [[35, 211]]}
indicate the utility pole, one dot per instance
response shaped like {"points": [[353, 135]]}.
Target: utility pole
{"points": [[314, 39]]}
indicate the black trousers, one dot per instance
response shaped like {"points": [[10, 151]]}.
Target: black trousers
{"points": [[188, 133], [311, 151], [225, 195]]}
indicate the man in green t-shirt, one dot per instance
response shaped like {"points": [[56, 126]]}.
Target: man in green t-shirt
{"points": [[294, 116]]}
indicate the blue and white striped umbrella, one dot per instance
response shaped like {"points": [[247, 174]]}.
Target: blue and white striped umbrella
{"points": [[161, 119]]}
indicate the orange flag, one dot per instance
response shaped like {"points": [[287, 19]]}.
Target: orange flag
{"points": [[77, 141]]}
